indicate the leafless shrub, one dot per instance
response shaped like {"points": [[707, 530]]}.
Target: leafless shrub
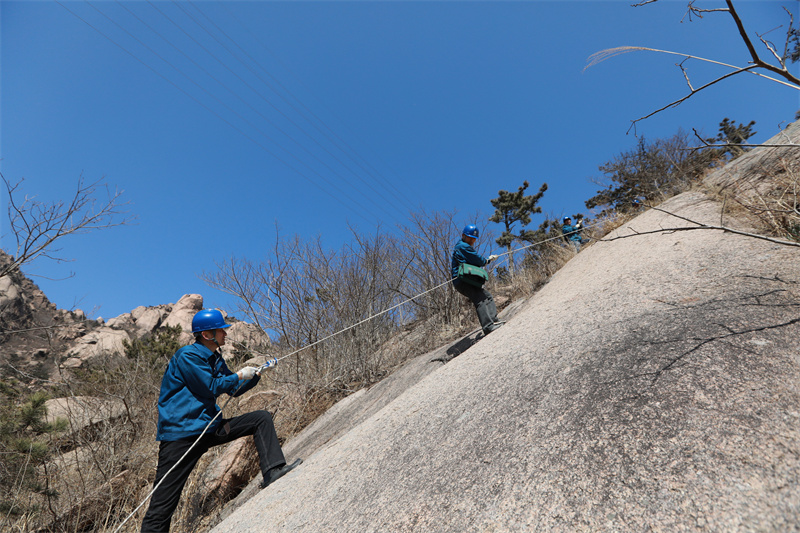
{"points": [[35, 226], [305, 294], [428, 243]]}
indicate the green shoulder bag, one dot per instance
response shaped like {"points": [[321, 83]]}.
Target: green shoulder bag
{"points": [[472, 274]]}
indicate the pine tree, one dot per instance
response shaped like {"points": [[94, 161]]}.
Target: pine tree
{"points": [[734, 136], [513, 207], [24, 446]]}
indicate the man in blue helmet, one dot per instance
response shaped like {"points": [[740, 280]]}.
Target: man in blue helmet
{"points": [[480, 297], [573, 233], [188, 424]]}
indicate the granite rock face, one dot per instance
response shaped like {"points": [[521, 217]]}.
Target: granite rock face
{"points": [[652, 385], [182, 313]]}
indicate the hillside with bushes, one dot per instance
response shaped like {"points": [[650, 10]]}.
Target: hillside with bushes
{"points": [[647, 381]]}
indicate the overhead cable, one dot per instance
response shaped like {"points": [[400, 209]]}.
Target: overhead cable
{"points": [[228, 122], [372, 171], [266, 100], [302, 114]]}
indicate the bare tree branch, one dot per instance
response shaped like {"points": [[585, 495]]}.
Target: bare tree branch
{"points": [[700, 226], [751, 48], [35, 226], [771, 47], [691, 93], [756, 61], [706, 144]]}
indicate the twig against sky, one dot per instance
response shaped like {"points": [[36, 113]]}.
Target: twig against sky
{"points": [[36, 226], [701, 226], [756, 61]]}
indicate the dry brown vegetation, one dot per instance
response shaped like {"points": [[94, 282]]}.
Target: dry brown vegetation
{"points": [[770, 204], [320, 307]]}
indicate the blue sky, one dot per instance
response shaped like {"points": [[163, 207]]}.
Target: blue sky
{"points": [[412, 105]]}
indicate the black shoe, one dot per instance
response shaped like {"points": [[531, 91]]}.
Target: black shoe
{"points": [[492, 327], [279, 471]]}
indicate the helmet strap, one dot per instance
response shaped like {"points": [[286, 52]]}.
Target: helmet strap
{"points": [[212, 339]]}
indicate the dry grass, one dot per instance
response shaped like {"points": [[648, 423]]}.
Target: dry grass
{"points": [[769, 198]]}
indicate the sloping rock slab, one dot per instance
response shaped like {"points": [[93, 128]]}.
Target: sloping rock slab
{"points": [[359, 406], [652, 385]]}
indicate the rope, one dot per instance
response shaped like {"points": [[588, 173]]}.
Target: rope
{"points": [[275, 360], [319, 341], [267, 365]]}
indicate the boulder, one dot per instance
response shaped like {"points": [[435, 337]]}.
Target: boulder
{"points": [[9, 292], [182, 314], [243, 336], [228, 474], [71, 362], [123, 321], [70, 331], [97, 344], [138, 312], [149, 320], [83, 411], [13, 311]]}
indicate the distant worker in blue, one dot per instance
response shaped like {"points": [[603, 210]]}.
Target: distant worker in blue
{"points": [[195, 376], [469, 285], [573, 233]]}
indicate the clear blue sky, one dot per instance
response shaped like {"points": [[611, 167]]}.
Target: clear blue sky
{"points": [[444, 102]]}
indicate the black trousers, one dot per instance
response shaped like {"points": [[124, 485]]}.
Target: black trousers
{"points": [[165, 499], [482, 300]]}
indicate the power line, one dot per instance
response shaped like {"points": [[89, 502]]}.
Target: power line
{"points": [[390, 188], [262, 97], [239, 115], [226, 121]]}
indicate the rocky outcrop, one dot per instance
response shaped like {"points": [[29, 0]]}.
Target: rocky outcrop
{"points": [[227, 475], [182, 313], [33, 332], [30, 325], [22, 303], [82, 412], [123, 321], [97, 346], [147, 319]]}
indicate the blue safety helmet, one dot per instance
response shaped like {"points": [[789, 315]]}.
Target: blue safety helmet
{"points": [[566, 218], [470, 230], [208, 319]]}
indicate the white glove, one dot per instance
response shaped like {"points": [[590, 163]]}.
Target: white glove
{"points": [[248, 372], [491, 258]]}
